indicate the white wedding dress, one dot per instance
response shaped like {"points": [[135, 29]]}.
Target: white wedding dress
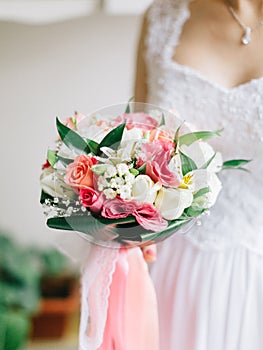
{"points": [[209, 282]]}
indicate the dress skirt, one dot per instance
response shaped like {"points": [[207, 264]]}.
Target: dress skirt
{"points": [[208, 299]]}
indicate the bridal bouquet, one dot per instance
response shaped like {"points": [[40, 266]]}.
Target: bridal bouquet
{"points": [[129, 178]]}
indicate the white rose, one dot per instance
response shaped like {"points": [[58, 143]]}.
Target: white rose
{"points": [[144, 189], [172, 202], [200, 153], [53, 184]]}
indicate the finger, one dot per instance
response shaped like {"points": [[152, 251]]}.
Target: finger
{"points": [[149, 253]]}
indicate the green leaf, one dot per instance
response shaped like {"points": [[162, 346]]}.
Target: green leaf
{"points": [[236, 164], [162, 120], [176, 139], [176, 136], [65, 161], [45, 196], [206, 165], [113, 138], [187, 163], [173, 226], [84, 223], [71, 138], [52, 157], [142, 169], [190, 138], [93, 146], [128, 108], [119, 230], [201, 192], [134, 171], [99, 169], [194, 212]]}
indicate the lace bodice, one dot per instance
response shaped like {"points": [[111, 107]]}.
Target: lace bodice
{"points": [[236, 218]]}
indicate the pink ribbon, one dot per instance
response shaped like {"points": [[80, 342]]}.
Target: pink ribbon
{"points": [[132, 319]]}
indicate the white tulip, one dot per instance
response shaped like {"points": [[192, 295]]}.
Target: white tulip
{"points": [[172, 202], [208, 199], [144, 189], [200, 153], [175, 165], [53, 184]]}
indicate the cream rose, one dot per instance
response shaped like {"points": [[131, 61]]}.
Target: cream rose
{"points": [[144, 189], [172, 202]]}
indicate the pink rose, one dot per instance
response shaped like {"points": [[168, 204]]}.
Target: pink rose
{"points": [[155, 149], [79, 173], [137, 120], [157, 156], [150, 217], [118, 208], [91, 199]]}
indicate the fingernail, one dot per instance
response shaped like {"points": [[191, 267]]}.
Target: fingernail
{"points": [[150, 252]]}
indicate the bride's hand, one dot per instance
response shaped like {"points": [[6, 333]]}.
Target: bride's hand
{"points": [[149, 253]]}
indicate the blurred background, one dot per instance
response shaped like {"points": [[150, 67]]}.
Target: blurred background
{"points": [[57, 57]]}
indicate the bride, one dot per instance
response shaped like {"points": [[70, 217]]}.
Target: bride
{"points": [[204, 59]]}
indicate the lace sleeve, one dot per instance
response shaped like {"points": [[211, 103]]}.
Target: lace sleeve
{"points": [[96, 280], [163, 18]]}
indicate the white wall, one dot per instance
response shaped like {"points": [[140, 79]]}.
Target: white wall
{"points": [[46, 71]]}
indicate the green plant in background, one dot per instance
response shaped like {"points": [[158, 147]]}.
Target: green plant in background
{"points": [[21, 275], [53, 262], [19, 293]]}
